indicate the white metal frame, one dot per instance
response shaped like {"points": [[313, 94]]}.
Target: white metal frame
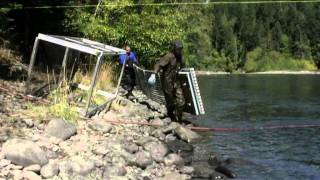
{"points": [[79, 44]]}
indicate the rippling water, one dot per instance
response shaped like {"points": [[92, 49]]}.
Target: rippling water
{"points": [[262, 100]]}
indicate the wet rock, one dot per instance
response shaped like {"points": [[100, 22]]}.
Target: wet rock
{"points": [[142, 159], [100, 126], [202, 169], [29, 175], [187, 134], [111, 170], [34, 168], [178, 146], [60, 129], [157, 150], [24, 152], [82, 166], [49, 170], [173, 159]]}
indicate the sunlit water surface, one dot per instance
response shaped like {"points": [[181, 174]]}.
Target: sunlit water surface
{"points": [[253, 101]]}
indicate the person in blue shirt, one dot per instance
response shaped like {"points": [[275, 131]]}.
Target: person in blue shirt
{"points": [[129, 79]]}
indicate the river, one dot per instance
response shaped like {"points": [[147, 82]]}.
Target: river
{"points": [[254, 101]]}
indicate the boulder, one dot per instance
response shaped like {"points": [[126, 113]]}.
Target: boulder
{"points": [[173, 159], [187, 134], [49, 170], [142, 159], [100, 126], [59, 128], [157, 150], [24, 152]]}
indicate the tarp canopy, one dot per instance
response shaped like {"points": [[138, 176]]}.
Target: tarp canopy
{"points": [[81, 44]]}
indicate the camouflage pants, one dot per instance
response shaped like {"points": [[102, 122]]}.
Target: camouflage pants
{"points": [[175, 102]]}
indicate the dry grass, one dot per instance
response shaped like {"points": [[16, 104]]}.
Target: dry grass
{"points": [[8, 56], [105, 80]]}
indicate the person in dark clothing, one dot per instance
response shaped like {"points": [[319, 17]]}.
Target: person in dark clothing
{"points": [[129, 78], [170, 64]]}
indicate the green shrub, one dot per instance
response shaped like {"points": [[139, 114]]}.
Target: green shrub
{"points": [[258, 60]]}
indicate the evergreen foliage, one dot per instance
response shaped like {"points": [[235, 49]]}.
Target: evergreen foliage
{"points": [[216, 37]]}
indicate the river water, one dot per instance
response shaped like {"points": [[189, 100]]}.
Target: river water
{"points": [[253, 101]]}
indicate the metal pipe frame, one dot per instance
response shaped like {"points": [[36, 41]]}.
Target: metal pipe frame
{"points": [[32, 60], [93, 82]]}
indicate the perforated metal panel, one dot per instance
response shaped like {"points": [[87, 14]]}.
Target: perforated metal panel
{"points": [[190, 88]]}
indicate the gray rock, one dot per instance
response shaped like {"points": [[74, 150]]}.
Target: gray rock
{"points": [[173, 176], [172, 126], [28, 122], [30, 175], [65, 167], [24, 152], [49, 170], [142, 159], [157, 150], [202, 169], [4, 163], [187, 134], [130, 147], [166, 121], [157, 122], [170, 137], [145, 140], [17, 174], [118, 160], [60, 129], [34, 168], [187, 170], [82, 166], [100, 150], [100, 126], [159, 134], [173, 159], [111, 170]]}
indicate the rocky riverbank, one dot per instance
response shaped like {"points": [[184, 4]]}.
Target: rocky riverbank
{"points": [[117, 144]]}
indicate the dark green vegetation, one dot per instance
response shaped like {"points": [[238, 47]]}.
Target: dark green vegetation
{"points": [[230, 37]]}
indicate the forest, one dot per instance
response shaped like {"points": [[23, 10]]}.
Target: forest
{"points": [[216, 37]]}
